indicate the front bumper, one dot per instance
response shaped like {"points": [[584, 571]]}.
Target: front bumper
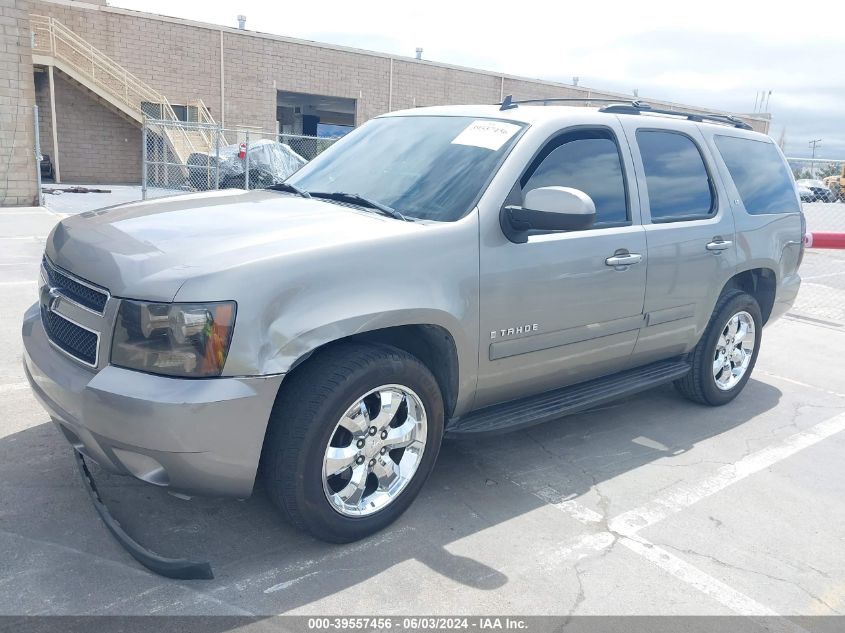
{"points": [[197, 436]]}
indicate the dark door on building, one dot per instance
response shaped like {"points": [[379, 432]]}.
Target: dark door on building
{"points": [[309, 124]]}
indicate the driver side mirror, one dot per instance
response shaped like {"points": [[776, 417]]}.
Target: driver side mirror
{"points": [[548, 209]]}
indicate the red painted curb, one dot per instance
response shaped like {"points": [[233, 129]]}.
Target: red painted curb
{"points": [[824, 240]]}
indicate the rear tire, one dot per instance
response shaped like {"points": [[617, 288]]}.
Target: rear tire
{"points": [[724, 357], [322, 421]]}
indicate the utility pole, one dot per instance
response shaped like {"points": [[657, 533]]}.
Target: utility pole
{"points": [[813, 144]]}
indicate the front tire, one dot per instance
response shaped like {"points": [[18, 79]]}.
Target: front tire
{"points": [[353, 436], [724, 357]]}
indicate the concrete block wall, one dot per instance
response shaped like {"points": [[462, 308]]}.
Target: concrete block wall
{"points": [[419, 84], [96, 144], [255, 68], [18, 180]]}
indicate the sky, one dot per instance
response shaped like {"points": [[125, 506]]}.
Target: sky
{"points": [[714, 54]]}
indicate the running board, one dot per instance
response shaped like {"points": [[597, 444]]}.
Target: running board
{"points": [[517, 414]]}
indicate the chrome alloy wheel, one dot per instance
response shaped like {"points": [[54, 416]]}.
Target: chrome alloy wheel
{"points": [[734, 351], [374, 450]]}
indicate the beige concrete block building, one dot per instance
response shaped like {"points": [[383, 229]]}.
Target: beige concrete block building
{"points": [[94, 71], [17, 94]]}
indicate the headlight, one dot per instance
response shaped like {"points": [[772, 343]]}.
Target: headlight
{"points": [[174, 339]]}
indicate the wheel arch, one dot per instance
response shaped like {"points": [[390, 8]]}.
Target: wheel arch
{"points": [[760, 283], [432, 344]]}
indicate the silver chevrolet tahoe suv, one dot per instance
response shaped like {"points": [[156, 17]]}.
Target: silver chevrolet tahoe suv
{"points": [[445, 271]]}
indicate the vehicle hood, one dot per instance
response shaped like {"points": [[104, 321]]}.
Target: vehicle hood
{"points": [[147, 250]]}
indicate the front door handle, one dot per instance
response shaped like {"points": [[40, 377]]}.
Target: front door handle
{"points": [[719, 245], [624, 259]]}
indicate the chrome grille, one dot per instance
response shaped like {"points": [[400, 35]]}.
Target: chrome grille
{"points": [[75, 313], [70, 337], [82, 293]]}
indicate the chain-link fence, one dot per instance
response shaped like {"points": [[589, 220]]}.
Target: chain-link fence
{"points": [[184, 157], [821, 184]]}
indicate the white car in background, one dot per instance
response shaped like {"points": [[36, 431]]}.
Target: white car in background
{"points": [[814, 191]]}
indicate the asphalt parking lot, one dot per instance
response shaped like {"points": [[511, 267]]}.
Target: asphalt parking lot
{"points": [[652, 505]]}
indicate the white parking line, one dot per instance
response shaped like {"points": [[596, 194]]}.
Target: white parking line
{"points": [[683, 496], [810, 284], [288, 583], [722, 593], [803, 384], [841, 272], [624, 528], [596, 542], [725, 595], [570, 506], [304, 568], [17, 283], [15, 386]]}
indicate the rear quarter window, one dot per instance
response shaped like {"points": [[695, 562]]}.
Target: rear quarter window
{"points": [[760, 175]]}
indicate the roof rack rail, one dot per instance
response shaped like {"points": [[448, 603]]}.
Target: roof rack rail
{"points": [[638, 107], [618, 106], [509, 102]]}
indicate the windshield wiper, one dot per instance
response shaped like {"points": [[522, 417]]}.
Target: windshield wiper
{"points": [[354, 198], [286, 186]]}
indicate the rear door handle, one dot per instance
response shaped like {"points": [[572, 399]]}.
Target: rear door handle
{"points": [[625, 259], [719, 245]]}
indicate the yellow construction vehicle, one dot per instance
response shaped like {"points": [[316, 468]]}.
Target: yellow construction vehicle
{"points": [[836, 184]]}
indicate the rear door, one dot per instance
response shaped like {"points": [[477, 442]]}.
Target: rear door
{"points": [[689, 229]]}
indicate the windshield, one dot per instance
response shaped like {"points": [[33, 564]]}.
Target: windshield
{"points": [[425, 167]]}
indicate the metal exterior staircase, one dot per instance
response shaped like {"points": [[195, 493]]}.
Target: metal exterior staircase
{"points": [[53, 44]]}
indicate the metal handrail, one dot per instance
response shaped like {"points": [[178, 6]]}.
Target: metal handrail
{"points": [[57, 34], [203, 113], [204, 117], [51, 37]]}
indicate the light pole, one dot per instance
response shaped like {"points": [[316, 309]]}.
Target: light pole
{"points": [[813, 144]]}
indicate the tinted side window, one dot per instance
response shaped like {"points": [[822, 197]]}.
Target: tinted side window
{"points": [[588, 161], [677, 180], [763, 182]]}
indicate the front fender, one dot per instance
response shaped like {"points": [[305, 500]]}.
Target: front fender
{"points": [[293, 303], [283, 348]]}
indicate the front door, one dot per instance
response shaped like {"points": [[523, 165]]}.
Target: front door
{"points": [[559, 309]]}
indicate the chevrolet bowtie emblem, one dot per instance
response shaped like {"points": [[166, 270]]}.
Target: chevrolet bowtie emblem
{"points": [[53, 298]]}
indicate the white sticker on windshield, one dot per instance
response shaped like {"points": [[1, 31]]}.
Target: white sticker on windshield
{"points": [[487, 134]]}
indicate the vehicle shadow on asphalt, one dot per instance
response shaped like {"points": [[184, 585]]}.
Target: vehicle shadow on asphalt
{"points": [[263, 565]]}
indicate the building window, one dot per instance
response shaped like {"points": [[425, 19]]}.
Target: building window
{"points": [[187, 113]]}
